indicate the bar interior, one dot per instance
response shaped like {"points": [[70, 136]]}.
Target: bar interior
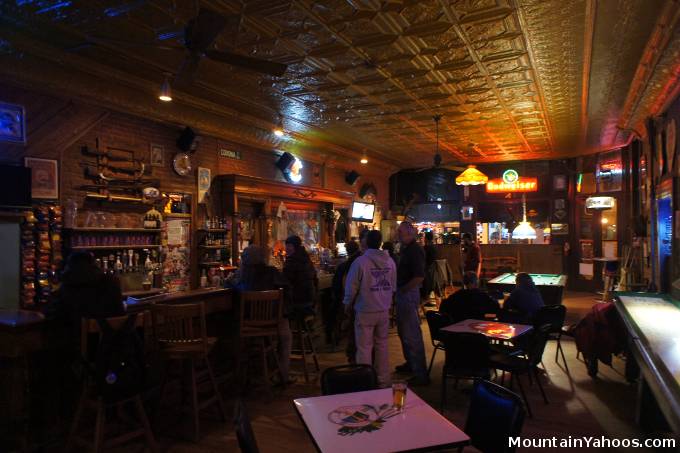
{"points": [[339, 226]]}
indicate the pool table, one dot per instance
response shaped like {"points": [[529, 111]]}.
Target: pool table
{"points": [[551, 286], [652, 322]]}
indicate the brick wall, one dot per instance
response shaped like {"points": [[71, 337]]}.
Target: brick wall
{"points": [[57, 129]]}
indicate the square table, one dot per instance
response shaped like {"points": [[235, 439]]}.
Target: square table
{"points": [[365, 422], [492, 329]]}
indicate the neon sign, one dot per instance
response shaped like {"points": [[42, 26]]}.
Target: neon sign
{"points": [[512, 182]]}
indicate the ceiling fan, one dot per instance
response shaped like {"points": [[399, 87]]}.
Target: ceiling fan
{"points": [[198, 39], [437, 160]]}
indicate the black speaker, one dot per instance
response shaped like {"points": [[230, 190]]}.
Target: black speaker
{"points": [[351, 177], [185, 142], [285, 162]]}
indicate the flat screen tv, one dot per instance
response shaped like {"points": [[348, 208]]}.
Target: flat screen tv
{"points": [[15, 186], [363, 212]]}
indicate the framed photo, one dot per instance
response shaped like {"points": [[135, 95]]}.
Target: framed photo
{"points": [[559, 182], [44, 178], [12, 123], [156, 153], [203, 183]]}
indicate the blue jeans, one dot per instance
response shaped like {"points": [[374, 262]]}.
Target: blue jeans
{"points": [[408, 327]]}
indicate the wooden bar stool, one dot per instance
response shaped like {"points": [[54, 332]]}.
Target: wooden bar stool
{"points": [[260, 314], [305, 345], [92, 399], [181, 333]]}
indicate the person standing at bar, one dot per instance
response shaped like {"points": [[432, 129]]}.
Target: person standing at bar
{"points": [[369, 287], [472, 255], [410, 276], [338, 287]]}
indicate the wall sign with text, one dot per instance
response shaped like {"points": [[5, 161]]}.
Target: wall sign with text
{"points": [[512, 182]]}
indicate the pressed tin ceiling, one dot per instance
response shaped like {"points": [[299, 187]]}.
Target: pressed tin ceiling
{"points": [[513, 79]]}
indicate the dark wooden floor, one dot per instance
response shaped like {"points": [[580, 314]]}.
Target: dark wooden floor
{"points": [[579, 405]]}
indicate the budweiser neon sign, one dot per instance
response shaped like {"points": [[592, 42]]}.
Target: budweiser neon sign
{"points": [[521, 184]]}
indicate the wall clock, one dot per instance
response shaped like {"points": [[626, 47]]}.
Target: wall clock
{"points": [[181, 163]]}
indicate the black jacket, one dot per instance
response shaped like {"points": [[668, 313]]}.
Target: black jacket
{"points": [[301, 274], [468, 304]]}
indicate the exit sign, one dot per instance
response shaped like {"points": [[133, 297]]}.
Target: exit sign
{"points": [[230, 154]]}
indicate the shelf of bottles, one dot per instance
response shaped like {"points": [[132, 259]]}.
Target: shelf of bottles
{"points": [[214, 243], [132, 254]]}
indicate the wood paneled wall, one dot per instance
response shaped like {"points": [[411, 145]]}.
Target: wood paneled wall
{"points": [[57, 129]]}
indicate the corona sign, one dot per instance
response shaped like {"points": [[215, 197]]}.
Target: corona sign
{"points": [[512, 182]]}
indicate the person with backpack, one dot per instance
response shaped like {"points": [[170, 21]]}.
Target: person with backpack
{"points": [[370, 285]]}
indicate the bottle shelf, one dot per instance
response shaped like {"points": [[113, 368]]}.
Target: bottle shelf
{"points": [[215, 247], [113, 230], [216, 263], [114, 247], [213, 230]]}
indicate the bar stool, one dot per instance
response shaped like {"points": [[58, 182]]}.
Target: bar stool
{"points": [[92, 399], [260, 314], [181, 333], [305, 345]]}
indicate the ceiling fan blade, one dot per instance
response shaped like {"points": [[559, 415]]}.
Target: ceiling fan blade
{"points": [[186, 72], [253, 64], [202, 31]]}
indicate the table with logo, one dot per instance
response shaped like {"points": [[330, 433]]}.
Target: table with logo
{"points": [[492, 329], [366, 422]]}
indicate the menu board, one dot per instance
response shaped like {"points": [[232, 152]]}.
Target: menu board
{"points": [[176, 254]]}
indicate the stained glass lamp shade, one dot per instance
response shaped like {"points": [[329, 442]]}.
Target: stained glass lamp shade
{"points": [[471, 177]]}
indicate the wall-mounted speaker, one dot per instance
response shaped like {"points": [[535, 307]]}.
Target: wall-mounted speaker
{"points": [[187, 140], [285, 161], [351, 177]]}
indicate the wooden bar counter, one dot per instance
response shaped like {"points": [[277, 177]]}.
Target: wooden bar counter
{"points": [[216, 299]]}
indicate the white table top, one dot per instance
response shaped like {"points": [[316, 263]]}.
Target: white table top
{"points": [[330, 423], [492, 329]]}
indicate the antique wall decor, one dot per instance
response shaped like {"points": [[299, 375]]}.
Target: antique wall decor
{"points": [[44, 178], [156, 155]]}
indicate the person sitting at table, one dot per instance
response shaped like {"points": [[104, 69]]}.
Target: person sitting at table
{"points": [[469, 302], [255, 274], [525, 300]]}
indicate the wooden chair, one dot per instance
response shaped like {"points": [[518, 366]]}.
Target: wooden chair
{"points": [[260, 315], [181, 334], [90, 399], [302, 332]]}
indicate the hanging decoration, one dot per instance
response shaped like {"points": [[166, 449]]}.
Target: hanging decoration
{"points": [[471, 177]]}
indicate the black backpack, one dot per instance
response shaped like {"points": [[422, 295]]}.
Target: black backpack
{"points": [[119, 367]]}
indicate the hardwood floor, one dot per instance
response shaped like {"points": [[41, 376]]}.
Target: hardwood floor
{"points": [[579, 405]]}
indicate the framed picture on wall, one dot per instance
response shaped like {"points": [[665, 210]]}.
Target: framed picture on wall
{"points": [[156, 153], [44, 178], [203, 183], [559, 182], [12, 123]]}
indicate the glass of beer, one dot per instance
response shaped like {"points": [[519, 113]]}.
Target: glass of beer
{"points": [[399, 395]]}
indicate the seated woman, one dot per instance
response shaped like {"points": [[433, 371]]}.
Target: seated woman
{"points": [[470, 302], [525, 300], [255, 274]]}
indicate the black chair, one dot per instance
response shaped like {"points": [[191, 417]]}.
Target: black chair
{"points": [[244, 431], [495, 415], [435, 321], [527, 364], [554, 316], [467, 357], [347, 379]]}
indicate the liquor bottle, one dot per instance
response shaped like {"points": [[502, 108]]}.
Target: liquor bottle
{"points": [[204, 279], [119, 264]]}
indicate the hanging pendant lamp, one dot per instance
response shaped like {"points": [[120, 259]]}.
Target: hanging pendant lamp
{"points": [[471, 177], [524, 230]]}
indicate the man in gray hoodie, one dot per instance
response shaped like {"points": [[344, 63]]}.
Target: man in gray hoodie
{"points": [[370, 285]]}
